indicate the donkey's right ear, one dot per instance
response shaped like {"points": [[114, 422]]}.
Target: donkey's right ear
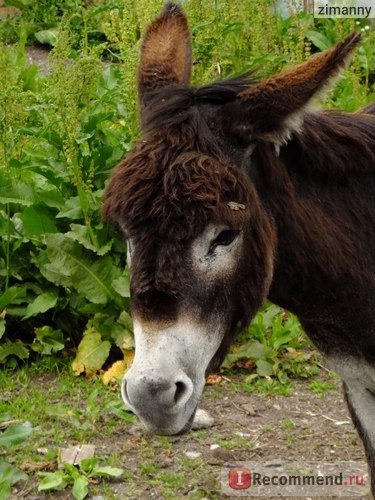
{"points": [[274, 109], [166, 52]]}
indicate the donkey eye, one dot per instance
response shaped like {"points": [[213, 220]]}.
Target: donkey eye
{"points": [[224, 238]]}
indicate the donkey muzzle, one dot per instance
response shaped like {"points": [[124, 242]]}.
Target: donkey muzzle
{"points": [[163, 404]]}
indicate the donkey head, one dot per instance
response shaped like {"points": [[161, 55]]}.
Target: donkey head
{"points": [[201, 244]]}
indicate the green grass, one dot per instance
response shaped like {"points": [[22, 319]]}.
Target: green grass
{"points": [[61, 268], [267, 386], [64, 410], [57, 406], [321, 387], [287, 424], [235, 442]]}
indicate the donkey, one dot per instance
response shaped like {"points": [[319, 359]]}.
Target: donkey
{"points": [[236, 192]]}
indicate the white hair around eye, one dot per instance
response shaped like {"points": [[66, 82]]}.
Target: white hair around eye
{"points": [[216, 251]]}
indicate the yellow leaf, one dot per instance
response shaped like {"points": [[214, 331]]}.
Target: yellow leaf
{"points": [[92, 353], [116, 372]]}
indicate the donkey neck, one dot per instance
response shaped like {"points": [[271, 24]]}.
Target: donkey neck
{"points": [[322, 249]]}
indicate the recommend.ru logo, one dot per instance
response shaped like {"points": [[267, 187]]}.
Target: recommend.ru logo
{"points": [[343, 479]]}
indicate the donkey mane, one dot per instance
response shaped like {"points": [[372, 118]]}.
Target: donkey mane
{"points": [[168, 107], [336, 143]]}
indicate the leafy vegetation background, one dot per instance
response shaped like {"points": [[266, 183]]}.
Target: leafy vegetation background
{"points": [[63, 279]]}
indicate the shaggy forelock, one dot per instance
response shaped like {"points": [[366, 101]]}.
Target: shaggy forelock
{"points": [[175, 192], [163, 195]]}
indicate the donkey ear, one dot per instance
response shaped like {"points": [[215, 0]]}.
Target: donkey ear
{"points": [[166, 51], [274, 109]]}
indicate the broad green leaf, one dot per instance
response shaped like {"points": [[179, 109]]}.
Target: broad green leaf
{"points": [[71, 210], [80, 488], [92, 121], [10, 474], [66, 263], [283, 338], [5, 416], [5, 489], [123, 338], [13, 349], [255, 350], [269, 315], [264, 368], [118, 409], [107, 471], [126, 320], [48, 340], [37, 220], [122, 286], [319, 40], [41, 304], [52, 198], [110, 77], [15, 192], [80, 233], [30, 76], [4, 223], [12, 295], [92, 353], [48, 263], [14, 435], [47, 37], [72, 471], [52, 481], [93, 279]]}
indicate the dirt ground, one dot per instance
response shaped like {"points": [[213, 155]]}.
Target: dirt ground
{"points": [[302, 427], [254, 427], [38, 56]]}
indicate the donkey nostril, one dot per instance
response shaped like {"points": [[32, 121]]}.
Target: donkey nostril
{"points": [[181, 389], [145, 389]]}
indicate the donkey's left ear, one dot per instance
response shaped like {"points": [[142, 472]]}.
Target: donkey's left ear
{"points": [[165, 52], [274, 109]]}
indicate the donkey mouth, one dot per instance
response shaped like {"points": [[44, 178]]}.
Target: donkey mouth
{"points": [[186, 428], [168, 429]]}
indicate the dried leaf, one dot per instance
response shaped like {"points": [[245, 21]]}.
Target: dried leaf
{"points": [[213, 379], [38, 466], [233, 205]]}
